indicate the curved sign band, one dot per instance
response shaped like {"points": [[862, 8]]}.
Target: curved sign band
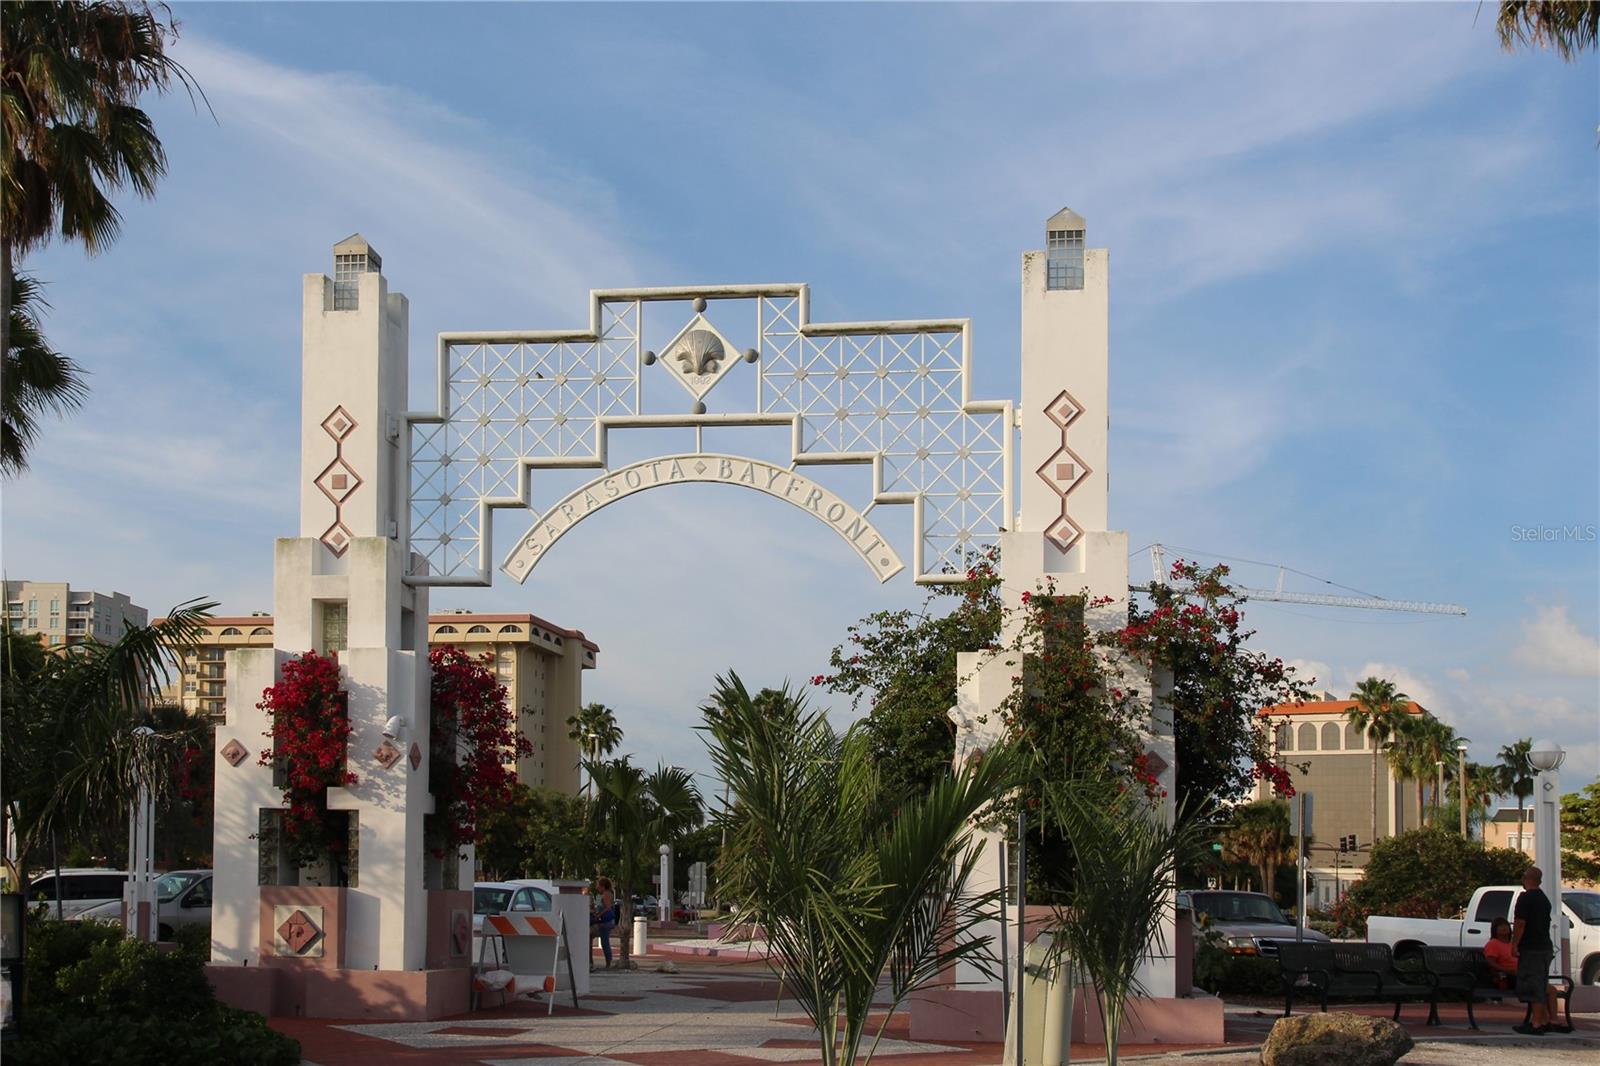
{"points": [[780, 482]]}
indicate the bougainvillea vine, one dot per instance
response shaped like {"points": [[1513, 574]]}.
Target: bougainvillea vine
{"points": [[474, 748], [310, 730]]}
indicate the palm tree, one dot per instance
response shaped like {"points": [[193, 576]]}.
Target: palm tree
{"points": [[71, 75], [70, 761], [1125, 856], [638, 812], [1568, 26], [34, 380], [1421, 742], [1515, 775], [847, 887], [1259, 835], [1378, 712], [594, 729], [1483, 782], [1435, 742]]}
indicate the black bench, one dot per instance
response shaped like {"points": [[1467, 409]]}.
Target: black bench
{"points": [[1463, 974], [1360, 972]]}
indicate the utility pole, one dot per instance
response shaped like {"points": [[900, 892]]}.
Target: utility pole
{"points": [[1461, 783]]}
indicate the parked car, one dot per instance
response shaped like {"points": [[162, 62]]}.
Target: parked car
{"points": [[82, 888], [506, 897], [183, 897], [1580, 924], [1249, 922]]}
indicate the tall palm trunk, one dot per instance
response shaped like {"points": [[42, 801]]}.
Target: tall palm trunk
{"points": [[1374, 838], [1422, 807], [1522, 836]]}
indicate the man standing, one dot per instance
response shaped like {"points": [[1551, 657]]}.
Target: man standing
{"points": [[1530, 939]]}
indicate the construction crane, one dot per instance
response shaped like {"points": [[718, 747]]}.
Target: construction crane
{"points": [[1158, 566]]}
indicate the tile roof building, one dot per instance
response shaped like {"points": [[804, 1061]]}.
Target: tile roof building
{"points": [[540, 664], [1332, 759]]}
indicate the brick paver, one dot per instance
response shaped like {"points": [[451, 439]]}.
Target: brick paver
{"points": [[713, 1013]]}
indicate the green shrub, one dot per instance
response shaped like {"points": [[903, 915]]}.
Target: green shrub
{"points": [[92, 996], [193, 941], [1220, 971], [1425, 873]]}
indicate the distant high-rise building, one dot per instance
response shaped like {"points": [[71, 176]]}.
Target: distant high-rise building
{"points": [[540, 664], [60, 615]]}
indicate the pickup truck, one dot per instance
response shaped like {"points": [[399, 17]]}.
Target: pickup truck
{"points": [[1580, 911]]}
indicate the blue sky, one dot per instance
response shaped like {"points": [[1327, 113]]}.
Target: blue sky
{"points": [[1355, 302]]}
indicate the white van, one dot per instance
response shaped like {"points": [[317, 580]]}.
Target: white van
{"points": [[183, 897], [81, 888]]}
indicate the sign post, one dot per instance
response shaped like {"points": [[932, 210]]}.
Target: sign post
{"points": [[1300, 815]]}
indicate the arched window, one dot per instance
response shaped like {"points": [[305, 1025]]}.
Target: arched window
{"points": [[1330, 736], [1352, 738], [511, 629], [1285, 737], [447, 629], [478, 629], [261, 631], [232, 632], [1307, 739]]}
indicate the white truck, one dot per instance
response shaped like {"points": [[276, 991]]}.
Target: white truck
{"points": [[1580, 910]]}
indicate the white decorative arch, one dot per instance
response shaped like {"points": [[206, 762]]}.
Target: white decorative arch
{"points": [[893, 395], [788, 485]]}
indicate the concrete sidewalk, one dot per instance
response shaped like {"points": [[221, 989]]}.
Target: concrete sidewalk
{"points": [[719, 1011]]}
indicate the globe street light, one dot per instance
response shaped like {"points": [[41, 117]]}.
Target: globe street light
{"points": [[1546, 757]]}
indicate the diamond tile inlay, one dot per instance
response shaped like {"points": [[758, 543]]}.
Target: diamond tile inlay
{"points": [[235, 752], [299, 932], [1063, 471], [338, 481], [387, 754], [416, 756]]}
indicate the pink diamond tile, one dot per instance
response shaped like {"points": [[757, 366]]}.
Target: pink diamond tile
{"points": [[338, 424], [416, 756], [387, 754], [299, 931], [235, 752]]}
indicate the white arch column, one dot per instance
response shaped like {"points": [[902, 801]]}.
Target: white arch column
{"points": [[1059, 535], [381, 945]]}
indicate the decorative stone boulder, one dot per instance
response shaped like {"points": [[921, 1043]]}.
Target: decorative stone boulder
{"points": [[1337, 1038]]}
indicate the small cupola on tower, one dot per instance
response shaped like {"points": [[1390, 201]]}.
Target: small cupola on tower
{"points": [[352, 257], [1064, 250]]}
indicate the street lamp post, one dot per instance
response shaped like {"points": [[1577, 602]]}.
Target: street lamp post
{"points": [[142, 920], [1546, 757], [1461, 784], [1438, 792]]}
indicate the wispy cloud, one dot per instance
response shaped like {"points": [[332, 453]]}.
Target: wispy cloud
{"points": [[1553, 643]]}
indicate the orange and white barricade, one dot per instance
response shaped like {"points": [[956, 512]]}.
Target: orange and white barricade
{"points": [[534, 947]]}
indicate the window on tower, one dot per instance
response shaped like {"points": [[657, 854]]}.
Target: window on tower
{"points": [[1064, 259]]}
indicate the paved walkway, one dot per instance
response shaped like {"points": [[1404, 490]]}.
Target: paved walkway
{"points": [[719, 1011]]}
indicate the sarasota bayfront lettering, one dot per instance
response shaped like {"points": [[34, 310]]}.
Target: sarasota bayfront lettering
{"points": [[785, 484]]}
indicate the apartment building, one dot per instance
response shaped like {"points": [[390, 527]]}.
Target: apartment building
{"points": [[60, 615], [540, 664]]}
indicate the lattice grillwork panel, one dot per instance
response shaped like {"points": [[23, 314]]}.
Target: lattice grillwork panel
{"points": [[894, 395]]}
